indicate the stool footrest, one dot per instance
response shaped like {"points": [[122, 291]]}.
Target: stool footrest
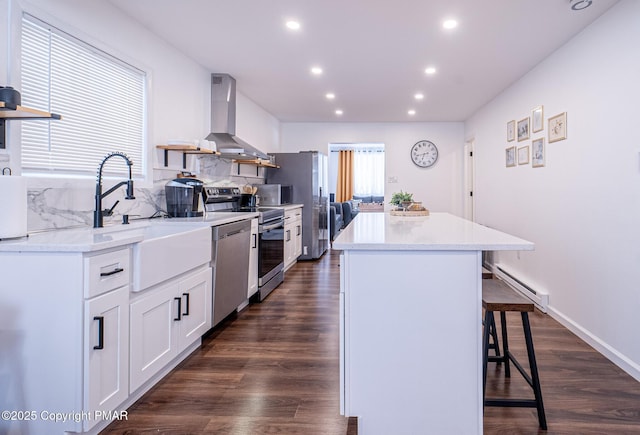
{"points": [[512, 403]]}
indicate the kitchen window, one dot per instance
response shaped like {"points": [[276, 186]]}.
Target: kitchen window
{"points": [[101, 100]]}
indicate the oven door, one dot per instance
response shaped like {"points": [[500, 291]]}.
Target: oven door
{"points": [[270, 250]]}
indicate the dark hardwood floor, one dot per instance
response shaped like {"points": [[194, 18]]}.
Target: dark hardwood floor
{"points": [[273, 369]]}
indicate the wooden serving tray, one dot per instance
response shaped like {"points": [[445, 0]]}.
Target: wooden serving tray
{"points": [[410, 213]]}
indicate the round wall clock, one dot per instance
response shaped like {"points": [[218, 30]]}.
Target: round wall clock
{"points": [[424, 154]]}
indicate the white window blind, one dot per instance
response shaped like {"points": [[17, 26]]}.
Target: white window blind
{"points": [[101, 100]]}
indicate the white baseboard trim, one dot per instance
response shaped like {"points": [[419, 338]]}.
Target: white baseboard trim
{"points": [[609, 352]]}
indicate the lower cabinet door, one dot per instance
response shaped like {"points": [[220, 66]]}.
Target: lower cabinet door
{"points": [[253, 259], [196, 306], [153, 334], [298, 239], [106, 375]]}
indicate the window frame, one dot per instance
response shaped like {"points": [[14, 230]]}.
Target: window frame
{"points": [[68, 180]]}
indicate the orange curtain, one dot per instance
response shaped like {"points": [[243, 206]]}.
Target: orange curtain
{"points": [[344, 187]]}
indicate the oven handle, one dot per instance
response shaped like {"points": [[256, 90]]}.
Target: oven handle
{"points": [[272, 226]]}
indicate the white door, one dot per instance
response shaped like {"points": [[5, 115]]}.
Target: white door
{"points": [[106, 352], [253, 259], [153, 335], [195, 318]]}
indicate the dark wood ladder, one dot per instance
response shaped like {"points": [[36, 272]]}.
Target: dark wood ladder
{"points": [[497, 296]]}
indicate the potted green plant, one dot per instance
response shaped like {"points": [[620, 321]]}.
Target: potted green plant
{"points": [[402, 199]]}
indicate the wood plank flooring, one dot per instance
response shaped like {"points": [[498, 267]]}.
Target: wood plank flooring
{"points": [[273, 369]]}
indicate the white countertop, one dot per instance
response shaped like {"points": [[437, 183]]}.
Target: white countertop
{"points": [[437, 232], [89, 239]]}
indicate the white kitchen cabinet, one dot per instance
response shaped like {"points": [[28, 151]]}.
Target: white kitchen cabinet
{"points": [[48, 331], [298, 235], [292, 236], [253, 259], [106, 352], [165, 320], [196, 295]]}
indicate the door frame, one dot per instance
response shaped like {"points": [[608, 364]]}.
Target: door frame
{"points": [[469, 180]]}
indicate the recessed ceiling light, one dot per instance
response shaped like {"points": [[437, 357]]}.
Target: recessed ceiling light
{"points": [[418, 96], [430, 70], [411, 112], [339, 112], [449, 24], [293, 25], [316, 70], [330, 96]]}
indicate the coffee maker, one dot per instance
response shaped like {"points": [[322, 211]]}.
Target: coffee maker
{"points": [[183, 197]]}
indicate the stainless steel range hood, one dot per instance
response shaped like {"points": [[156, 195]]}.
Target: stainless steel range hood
{"points": [[223, 120]]}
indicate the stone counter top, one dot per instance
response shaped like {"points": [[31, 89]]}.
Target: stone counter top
{"points": [[439, 231], [89, 239]]}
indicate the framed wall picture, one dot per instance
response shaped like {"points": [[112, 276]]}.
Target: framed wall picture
{"points": [[523, 155], [523, 129], [558, 127], [537, 153], [511, 131], [510, 157], [537, 119]]}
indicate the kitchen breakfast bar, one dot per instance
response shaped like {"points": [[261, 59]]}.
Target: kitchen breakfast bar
{"points": [[411, 321]]}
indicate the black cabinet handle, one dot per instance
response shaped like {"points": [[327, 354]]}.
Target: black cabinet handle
{"points": [[298, 230], [100, 320], [113, 272], [179, 309], [186, 313], [255, 241], [288, 235]]}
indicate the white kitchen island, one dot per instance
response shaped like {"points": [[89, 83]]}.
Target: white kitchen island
{"points": [[410, 322]]}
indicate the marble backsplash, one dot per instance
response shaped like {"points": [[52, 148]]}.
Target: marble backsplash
{"points": [[71, 206]]}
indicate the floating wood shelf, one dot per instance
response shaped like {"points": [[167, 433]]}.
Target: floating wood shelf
{"points": [[9, 112], [185, 150], [258, 163]]}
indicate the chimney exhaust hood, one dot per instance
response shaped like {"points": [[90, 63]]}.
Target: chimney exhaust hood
{"points": [[223, 120]]}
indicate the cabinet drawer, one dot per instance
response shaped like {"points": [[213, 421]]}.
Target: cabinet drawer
{"points": [[108, 271]]}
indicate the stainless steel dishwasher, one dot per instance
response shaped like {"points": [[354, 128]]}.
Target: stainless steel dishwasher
{"points": [[231, 246]]}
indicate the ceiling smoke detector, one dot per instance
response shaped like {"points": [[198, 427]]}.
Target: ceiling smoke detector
{"points": [[578, 5]]}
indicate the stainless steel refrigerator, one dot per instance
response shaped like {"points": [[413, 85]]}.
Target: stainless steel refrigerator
{"points": [[306, 172]]}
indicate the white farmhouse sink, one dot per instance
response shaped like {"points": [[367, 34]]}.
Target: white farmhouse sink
{"points": [[168, 250]]}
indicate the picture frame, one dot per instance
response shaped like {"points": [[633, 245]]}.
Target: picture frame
{"points": [[523, 155], [511, 131], [510, 157], [537, 119], [537, 153], [523, 129], [558, 127]]}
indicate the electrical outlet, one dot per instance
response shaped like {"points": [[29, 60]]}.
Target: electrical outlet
{"points": [[4, 157], [392, 180]]}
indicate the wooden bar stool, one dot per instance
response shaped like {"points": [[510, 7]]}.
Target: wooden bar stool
{"points": [[497, 296]]}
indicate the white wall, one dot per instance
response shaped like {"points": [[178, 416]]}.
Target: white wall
{"points": [[4, 38], [439, 187], [582, 209]]}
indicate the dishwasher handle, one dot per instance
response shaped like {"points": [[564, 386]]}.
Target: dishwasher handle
{"points": [[227, 230]]}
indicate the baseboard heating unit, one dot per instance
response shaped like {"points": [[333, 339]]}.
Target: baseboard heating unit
{"points": [[539, 297]]}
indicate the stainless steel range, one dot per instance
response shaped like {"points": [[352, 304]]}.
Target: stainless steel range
{"points": [[270, 234]]}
